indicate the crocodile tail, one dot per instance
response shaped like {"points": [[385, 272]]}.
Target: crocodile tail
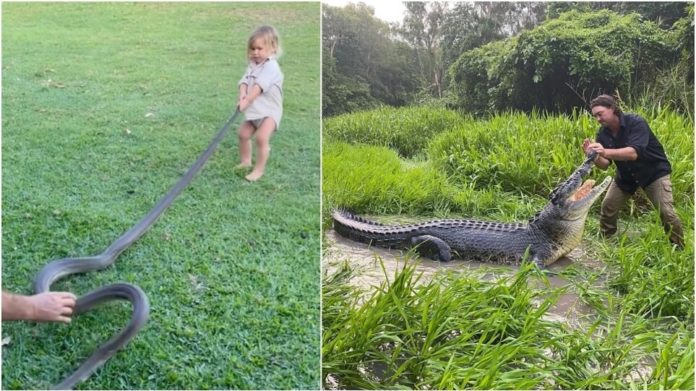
{"points": [[363, 230]]}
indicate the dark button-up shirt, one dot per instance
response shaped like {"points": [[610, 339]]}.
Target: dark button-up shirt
{"points": [[652, 161]]}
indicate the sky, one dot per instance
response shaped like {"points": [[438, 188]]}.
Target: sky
{"points": [[391, 11]]}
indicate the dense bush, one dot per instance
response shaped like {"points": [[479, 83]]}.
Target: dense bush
{"points": [[675, 86], [563, 63], [407, 130], [476, 79], [342, 94]]}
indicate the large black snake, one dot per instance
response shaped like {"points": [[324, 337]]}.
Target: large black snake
{"points": [[61, 268]]}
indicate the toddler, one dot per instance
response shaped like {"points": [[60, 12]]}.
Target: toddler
{"points": [[260, 98]]}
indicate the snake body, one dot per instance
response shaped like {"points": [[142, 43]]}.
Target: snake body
{"points": [[62, 268]]}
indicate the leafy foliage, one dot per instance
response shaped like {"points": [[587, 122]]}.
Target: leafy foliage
{"points": [[469, 25], [675, 86], [664, 13], [484, 57], [341, 93], [562, 63]]}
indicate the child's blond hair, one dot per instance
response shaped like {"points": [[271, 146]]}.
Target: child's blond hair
{"points": [[269, 35]]}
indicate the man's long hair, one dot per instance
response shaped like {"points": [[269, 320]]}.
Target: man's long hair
{"points": [[607, 101]]}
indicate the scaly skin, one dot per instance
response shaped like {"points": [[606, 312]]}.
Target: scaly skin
{"points": [[549, 235]]}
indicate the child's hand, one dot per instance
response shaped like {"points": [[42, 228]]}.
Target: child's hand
{"points": [[243, 103]]}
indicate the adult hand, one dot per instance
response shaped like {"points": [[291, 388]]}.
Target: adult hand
{"points": [[586, 145], [51, 306], [597, 147]]}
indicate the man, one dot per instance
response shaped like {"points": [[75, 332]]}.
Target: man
{"points": [[626, 140], [42, 307]]}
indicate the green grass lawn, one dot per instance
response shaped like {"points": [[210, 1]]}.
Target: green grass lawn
{"points": [[105, 106]]}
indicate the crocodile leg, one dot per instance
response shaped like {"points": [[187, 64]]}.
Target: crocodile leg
{"points": [[429, 245], [539, 263]]}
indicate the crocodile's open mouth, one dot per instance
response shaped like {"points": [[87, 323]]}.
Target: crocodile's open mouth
{"points": [[583, 191]]}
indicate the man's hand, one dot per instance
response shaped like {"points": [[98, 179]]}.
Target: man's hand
{"points": [[53, 306], [600, 160], [42, 307], [589, 145], [586, 145]]}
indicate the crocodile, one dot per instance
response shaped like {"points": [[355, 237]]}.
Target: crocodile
{"points": [[549, 235]]}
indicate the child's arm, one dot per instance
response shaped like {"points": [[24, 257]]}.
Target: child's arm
{"points": [[249, 97], [242, 94]]}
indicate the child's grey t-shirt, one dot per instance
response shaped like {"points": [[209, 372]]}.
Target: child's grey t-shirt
{"points": [[270, 103]]}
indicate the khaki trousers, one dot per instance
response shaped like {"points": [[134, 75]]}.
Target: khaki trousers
{"points": [[660, 195]]}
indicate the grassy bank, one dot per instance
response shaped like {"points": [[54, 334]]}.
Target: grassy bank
{"points": [[640, 332], [457, 331], [104, 107]]}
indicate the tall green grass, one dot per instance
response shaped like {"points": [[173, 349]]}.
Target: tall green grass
{"points": [[457, 331], [369, 179], [655, 279], [380, 182], [406, 130], [524, 155], [532, 153]]}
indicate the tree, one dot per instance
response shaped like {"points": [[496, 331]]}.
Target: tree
{"points": [[469, 25], [664, 13], [421, 28], [344, 71], [363, 66]]}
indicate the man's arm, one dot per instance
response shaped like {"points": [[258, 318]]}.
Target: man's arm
{"points": [[606, 155], [601, 162], [621, 154], [42, 307]]}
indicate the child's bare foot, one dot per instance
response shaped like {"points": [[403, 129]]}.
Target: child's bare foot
{"points": [[241, 169], [254, 176]]}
